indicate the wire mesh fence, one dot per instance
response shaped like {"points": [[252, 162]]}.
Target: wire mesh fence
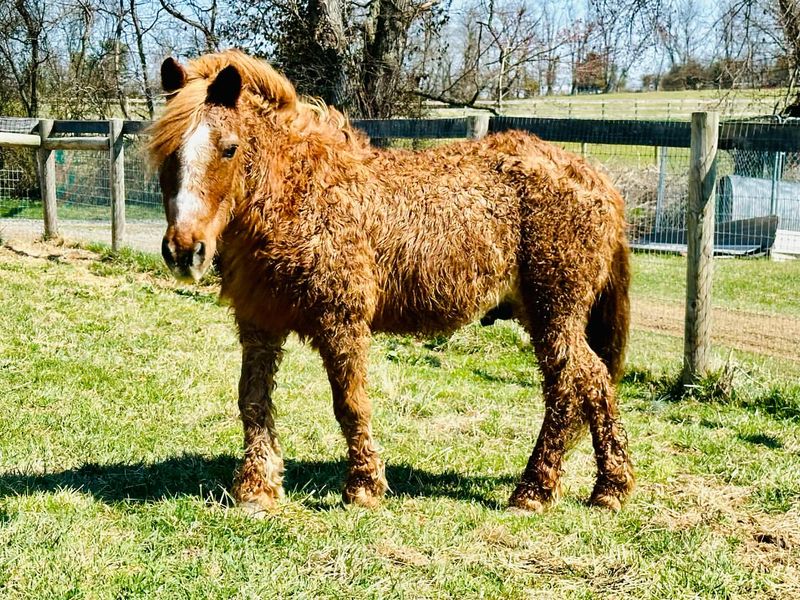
{"points": [[82, 190], [15, 195], [83, 187], [18, 178], [142, 191]]}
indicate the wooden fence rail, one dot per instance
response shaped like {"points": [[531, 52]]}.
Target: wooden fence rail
{"points": [[704, 135]]}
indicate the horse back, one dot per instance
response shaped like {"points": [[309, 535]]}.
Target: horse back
{"points": [[451, 227]]}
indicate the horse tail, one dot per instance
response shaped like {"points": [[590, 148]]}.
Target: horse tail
{"points": [[607, 330]]}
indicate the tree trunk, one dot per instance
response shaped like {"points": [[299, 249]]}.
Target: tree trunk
{"points": [[326, 20], [790, 22], [500, 80], [33, 95], [386, 33], [33, 29], [121, 98], [551, 73], [148, 92]]}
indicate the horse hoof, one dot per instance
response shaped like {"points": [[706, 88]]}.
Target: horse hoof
{"points": [[610, 497], [361, 497], [606, 501], [526, 507], [521, 504], [258, 505], [612, 494], [255, 510], [365, 491], [527, 500]]}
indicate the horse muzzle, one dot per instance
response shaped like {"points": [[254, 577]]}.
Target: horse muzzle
{"points": [[187, 264]]}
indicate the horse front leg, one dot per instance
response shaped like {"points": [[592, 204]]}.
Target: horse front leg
{"points": [[258, 483], [345, 357]]}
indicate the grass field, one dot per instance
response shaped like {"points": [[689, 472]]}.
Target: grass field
{"points": [[755, 285], [120, 434], [659, 105], [32, 209]]}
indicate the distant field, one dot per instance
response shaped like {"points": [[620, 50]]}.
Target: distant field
{"points": [[639, 105]]}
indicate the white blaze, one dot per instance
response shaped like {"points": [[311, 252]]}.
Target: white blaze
{"points": [[195, 155]]}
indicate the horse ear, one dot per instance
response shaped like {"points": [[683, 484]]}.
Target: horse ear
{"points": [[173, 77], [226, 87]]}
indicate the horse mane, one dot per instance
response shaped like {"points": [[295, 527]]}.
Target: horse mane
{"points": [[262, 86]]}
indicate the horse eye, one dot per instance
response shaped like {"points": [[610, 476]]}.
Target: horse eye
{"points": [[229, 151]]}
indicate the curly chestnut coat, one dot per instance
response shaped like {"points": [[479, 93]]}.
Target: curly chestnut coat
{"points": [[323, 235]]}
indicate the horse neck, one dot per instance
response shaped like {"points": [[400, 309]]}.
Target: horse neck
{"points": [[281, 169], [288, 163]]}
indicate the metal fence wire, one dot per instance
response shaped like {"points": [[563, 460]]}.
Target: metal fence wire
{"points": [[83, 189], [19, 184]]}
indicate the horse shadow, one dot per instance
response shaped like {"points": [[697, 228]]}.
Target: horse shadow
{"points": [[210, 478]]}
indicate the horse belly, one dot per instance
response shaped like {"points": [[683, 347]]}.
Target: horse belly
{"points": [[409, 303]]}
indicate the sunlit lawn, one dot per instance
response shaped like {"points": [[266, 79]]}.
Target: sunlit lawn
{"points": [[120, 435]]}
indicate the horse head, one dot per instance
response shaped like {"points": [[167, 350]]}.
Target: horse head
{"points": [[200, 166]]}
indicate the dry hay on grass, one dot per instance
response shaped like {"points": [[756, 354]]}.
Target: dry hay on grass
{"points": [[767, 543], [639, 187], [54, 250]]}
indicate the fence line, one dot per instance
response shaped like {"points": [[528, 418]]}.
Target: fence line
{"points": [[704, 135]]}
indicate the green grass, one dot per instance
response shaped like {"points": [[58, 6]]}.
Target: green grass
{"points": [[659, 105], [120, 435], [32, 209], [756, 285]]}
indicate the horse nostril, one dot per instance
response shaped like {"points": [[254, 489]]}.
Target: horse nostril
{"points": [[200, 251], [168, 253]]}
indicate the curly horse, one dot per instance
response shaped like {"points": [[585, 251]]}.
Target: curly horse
{"points": [[323, 235]]}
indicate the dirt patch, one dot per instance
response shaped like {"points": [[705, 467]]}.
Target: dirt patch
{"points": [[140, 235], [774, 335]]}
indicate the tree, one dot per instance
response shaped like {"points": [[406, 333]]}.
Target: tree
{"points": [[685, 76], [590, 73], [622, 31], [23, 46], [140, 31], [759, 39], [682, 29], [788, 15], [499, 49], [349, 54], [201, 18]]}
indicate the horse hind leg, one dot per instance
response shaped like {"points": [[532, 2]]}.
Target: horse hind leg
{"points": [[577, 390], [615, 477]]}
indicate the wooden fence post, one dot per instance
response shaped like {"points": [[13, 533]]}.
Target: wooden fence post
{"points": [[700, 252], [47, 181], [477, 126], [116, 180]]}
